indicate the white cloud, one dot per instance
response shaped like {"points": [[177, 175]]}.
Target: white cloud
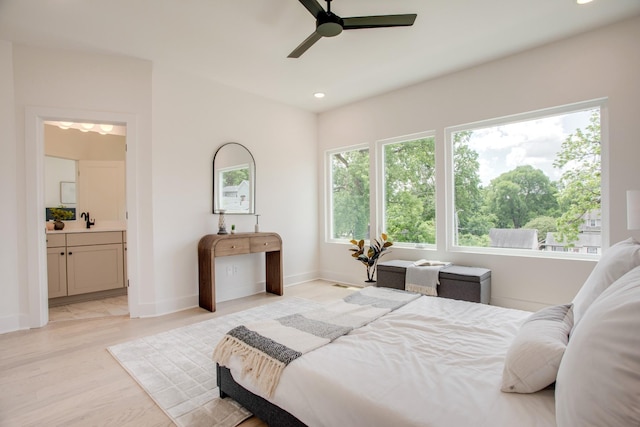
{"points": [[516, 157], [533, 142]]}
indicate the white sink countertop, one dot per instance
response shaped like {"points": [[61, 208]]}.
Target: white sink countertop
{"points": [[81, 227]]}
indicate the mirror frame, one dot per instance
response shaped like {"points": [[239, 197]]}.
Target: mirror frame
{"points": [[252, 183]]}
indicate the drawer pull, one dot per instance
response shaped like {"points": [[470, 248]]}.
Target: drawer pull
{"points": [[266, 243], [233, 246]]}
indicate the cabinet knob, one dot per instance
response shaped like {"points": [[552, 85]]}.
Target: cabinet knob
{"points": [[70, 253], [266, 243], [233, 246], [61, 253]]}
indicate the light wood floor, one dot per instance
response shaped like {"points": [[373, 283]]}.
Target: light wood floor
{"points": [[62, 374]]}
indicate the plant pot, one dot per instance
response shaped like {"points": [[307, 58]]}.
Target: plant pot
{"points": [[58, 225]]}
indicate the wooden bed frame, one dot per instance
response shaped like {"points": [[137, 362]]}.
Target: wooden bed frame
{"points": [[268, 412]]}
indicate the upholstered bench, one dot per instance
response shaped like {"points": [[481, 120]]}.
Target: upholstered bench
{"points": [[456, 281]]}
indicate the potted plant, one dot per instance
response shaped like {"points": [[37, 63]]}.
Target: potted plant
{"points": [[60, 214], [370, 258]]}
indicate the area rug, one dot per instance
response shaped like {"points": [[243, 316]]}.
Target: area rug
{"points": [[176, 368]]}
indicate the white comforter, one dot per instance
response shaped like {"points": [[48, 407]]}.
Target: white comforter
{"points": [[434, 362]]}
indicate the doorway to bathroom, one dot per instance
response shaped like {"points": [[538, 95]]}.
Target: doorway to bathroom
{"points": [[85, 208], [36, 292]]}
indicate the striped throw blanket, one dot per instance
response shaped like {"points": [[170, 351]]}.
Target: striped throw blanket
{"points": [[267, 347]]}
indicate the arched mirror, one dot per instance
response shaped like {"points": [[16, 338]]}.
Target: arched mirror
{"points": [[234, 180]]}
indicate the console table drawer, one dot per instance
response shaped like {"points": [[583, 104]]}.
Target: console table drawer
{"points": [[265, 244], [237, 246]]}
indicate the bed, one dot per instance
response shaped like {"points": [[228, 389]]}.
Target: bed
{"points": [[441, 362]]}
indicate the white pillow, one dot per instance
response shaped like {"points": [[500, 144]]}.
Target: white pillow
{"points": [[533, 358], [614, 263], [598, 381]]}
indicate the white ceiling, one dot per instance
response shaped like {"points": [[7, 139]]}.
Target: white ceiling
{"points": [[245, 43]]}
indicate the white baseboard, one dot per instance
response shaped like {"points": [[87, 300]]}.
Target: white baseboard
{"points": [[13, 323], [301, 278], [167, 306]]}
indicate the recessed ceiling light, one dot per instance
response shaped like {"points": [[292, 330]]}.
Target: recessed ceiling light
{"points": [[87, 125], [319, 95], [583, 1]]}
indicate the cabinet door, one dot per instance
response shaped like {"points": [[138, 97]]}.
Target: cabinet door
{"points": [[57, 272], [94, 268]]}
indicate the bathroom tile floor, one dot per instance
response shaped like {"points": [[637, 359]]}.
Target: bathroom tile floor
{"points": [[115, 306]]}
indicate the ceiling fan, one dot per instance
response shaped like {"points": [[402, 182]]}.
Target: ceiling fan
{"points": [[328, 24]]}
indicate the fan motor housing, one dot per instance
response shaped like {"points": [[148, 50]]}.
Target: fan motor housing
{"points": [[329, 24]]}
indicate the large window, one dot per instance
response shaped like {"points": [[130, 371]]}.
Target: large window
{"points": [[530, 182], [409, 185], [349, 177]]}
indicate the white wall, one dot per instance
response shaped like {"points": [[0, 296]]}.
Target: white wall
{"points": [[11, 267], [603, 63], [173, 173], [73, 81], [192, 118]]}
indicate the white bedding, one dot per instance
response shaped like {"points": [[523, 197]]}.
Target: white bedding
{"points": [[434, 362]]}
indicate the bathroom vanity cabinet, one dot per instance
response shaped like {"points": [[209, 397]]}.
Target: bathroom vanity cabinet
{"points": [[82, 263], [57, 265]]}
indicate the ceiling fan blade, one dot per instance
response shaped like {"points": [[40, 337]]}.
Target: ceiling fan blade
{"points": [[312, 6], [358, 22], [302, 48]]}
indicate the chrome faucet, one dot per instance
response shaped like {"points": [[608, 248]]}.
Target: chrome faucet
{"points": [[85, 215]]}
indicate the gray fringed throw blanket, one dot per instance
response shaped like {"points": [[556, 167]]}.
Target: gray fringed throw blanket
{"points": [[266, 348]]}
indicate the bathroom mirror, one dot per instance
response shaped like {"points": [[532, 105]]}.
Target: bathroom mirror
{"points": [[60, 186], [234, 185]]}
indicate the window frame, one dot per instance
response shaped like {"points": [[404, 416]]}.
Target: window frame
{"points": [[380, 186], [329, 191], [452, 246]]}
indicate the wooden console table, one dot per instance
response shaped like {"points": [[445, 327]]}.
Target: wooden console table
{"points": [[215, 245]]}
